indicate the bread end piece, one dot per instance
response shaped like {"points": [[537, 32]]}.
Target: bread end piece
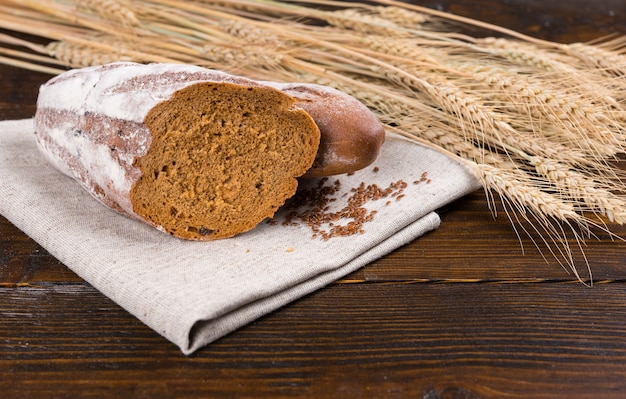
{"points": [[352, 135]]}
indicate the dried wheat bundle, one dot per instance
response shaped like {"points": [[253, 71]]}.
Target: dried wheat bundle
{"points": [[539, 123]]}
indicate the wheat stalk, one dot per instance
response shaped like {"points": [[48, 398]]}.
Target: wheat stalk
{"points": [[112, 10], [539, 123]]}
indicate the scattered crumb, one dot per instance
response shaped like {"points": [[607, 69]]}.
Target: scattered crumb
{"points": [[423, 178], [376, 169], [311, 207], [290, 249]]}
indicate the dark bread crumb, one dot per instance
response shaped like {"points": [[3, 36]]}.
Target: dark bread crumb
{"points": [[223, 157]]}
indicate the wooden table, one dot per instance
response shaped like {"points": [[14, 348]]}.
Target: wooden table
{"points": [[459, 313]]}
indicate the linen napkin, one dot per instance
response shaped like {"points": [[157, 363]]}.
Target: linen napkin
{"points": [[193, 293]]}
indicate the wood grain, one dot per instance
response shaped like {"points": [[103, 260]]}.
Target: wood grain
{"points": [[381, 340], [558, 20], [459, 313]]}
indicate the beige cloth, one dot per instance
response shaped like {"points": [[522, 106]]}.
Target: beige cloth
{"points": [[192, 293]]}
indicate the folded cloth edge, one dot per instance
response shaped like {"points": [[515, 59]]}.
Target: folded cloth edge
{"points": [[202, 334]]}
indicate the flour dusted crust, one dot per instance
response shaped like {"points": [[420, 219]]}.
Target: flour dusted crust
{"points": [[197, 153]]}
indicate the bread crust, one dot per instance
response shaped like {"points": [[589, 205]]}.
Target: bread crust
{"points": [[351, 135]]}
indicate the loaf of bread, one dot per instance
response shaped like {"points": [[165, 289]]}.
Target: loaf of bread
{"points": [[197, 153]]}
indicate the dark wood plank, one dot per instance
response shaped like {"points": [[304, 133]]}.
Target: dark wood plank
{"points": [[564, 21], [23, 262], [473, 244], [19, 92], [378, 340]]}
